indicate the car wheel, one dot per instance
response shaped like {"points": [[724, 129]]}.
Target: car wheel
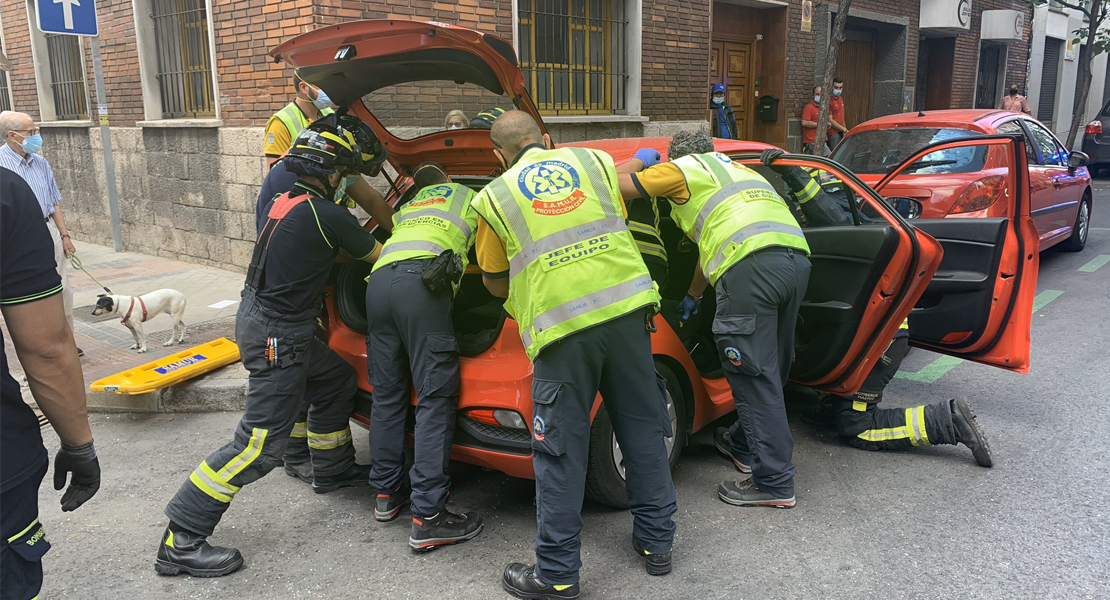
{"points": [[1081, 227], [605, 471]]}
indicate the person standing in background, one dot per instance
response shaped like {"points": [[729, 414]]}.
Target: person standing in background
{"points": [[724, 121], [809, 122], [1015, 102], [836, 114], [20, 153]]}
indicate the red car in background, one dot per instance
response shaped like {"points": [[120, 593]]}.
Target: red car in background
{"points": [[402, 77], [969, 182]]}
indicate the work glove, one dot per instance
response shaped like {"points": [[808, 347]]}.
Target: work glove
{"points": [[82, 462], [648, 156], [769, 155], [688, 307]]}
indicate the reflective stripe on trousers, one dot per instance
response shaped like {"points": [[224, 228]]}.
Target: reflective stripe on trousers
{"points": [[329, 441]]}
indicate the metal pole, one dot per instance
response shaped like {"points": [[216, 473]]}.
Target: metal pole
{"points": [[106, 143]]}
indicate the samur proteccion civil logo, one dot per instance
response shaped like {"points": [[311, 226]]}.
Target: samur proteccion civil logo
{"points": [[436, 195], [553, 187]]}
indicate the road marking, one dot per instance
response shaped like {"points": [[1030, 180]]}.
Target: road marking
{"points": [[933, 371], [1095, 263], [1100, 229]]}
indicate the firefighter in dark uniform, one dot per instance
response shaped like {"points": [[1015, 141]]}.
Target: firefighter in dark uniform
{"points": [[279, 180], [412, 344], [752, 250], [643, 223], [553, 240], [857, 418], [275, 330]]}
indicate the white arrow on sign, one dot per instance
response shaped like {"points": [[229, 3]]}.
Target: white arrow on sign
{"points": [[67, 11]]}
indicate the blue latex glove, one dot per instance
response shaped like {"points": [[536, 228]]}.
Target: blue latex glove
{"points": [[688, 307], [649, 157]]}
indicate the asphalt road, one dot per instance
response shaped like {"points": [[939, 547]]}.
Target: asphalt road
{"points": [[926, 523]]}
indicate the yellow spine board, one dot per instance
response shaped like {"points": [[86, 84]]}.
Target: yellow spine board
{"points": [[170, 370]]}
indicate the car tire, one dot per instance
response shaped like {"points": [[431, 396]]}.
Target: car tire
{"points": [[605, 472], [1081, 228]]}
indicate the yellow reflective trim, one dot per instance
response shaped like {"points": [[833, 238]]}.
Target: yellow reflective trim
{"points": [[319, 226], [561, 587], [329, 441], [882, 435], [905, 323], [652, 249], [246, 457], [808, 192], [169, 539], [213, 484], [911, 426], [859, 406], [924, 430], [207, 489], [300, 430], [25, 530], [335, 138], [642, 228]]}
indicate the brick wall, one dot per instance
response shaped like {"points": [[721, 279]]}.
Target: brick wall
{"points": [[17, 41], [965, 71], [676, 40]]}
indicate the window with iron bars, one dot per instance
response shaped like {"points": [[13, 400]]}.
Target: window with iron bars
{"points": [[67, 77], [5, 95], [184, 61], [572, 54]]}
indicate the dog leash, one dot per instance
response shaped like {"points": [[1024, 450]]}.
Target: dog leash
{"points": [[76, 262]]}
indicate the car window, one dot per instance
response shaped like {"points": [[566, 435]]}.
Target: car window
{"points": [[1105, 110], [413, 109], [1051, 152], [879, 152], [1013, 127]]}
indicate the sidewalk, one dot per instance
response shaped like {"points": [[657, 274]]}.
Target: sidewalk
{"points": [[106, 342]]}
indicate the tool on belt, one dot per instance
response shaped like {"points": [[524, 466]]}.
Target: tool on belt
{"points": [[443, 272]]}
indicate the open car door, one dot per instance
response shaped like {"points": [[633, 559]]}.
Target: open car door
{"points": [[867, 275], [979, 304]]}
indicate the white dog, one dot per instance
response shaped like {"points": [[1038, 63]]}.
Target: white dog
{"points": [[136, 310]]}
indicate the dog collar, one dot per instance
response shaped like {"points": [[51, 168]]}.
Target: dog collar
{"points": [[142, 305]]}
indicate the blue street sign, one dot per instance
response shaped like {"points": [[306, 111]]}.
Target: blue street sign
{"points": [[74, 17]]}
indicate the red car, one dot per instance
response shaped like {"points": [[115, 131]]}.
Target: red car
{"points": [[970, 182], [402, 78]]}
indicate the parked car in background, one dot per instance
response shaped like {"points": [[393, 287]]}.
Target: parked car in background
{"points": [[866, 277], [1096, 141], [968, 182]]}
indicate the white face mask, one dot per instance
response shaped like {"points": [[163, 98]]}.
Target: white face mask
{"points": [[717, 100], [322, 100], [454, 126], [817, 99]]}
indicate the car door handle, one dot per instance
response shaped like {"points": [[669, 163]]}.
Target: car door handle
{"points": [[1056, 183]]}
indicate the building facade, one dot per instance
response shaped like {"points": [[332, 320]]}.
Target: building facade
{"points": [[190, 85]]}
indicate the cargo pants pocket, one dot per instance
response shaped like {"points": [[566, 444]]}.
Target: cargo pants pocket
{"points": [[31, 545], [662, 383], [441, 370], [547, 435], [739, 347]]}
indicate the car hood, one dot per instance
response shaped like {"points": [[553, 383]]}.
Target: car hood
{"points": [[382, 53]]}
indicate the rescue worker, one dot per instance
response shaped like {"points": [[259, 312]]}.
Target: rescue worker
{"points": [[310, 104], [485, 119], [752, 250], [643, 224], [857, 418], [275, 330], [281, 180], [412, 344], [552, 239]]}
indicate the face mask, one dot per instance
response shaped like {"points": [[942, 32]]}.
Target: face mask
{"points": [[454, 126], [342, 189], [837, 92], [718, 101], [321, 101], [31, 143], [1013, 92], [817, 99]]}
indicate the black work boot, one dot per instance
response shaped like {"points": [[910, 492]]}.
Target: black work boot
{"points": [[429, 533], [657, 564], [356, 476], [721, 442], [969, 433], [183, 551], [301, 470], [745, 493], [389, 504], [521, 581]]}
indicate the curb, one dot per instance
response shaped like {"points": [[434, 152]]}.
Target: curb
{"points": [[224, 389]]}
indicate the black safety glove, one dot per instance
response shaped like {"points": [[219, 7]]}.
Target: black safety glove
{"points": [[82, 462], [769, 155]]}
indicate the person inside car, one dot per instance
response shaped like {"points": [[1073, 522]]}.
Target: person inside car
{"points": [[556, 245], [412, 343], [456, 119], [857, 418], [485, 119]]}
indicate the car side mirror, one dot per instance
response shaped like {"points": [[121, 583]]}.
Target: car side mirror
{"points": [[907, 207], [1078, 159]]}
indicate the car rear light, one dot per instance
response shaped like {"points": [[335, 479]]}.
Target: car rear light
{"points": [[498, 417], [1094, 128], [980, 195]]}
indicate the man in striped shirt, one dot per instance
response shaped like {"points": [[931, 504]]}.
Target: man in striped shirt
{"points": [[19, 153]]}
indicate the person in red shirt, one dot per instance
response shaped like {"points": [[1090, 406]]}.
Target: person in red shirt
{"points": [[809, 121], [836, 114]]}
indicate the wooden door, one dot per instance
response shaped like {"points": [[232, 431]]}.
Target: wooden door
{"points": [[856, 66], [733, 64]]}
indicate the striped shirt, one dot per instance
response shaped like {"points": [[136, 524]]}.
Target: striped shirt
{"points": [[36, 171]]}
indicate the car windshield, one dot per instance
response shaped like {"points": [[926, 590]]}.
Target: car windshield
{"points": [[879, 152], [413, 109]]}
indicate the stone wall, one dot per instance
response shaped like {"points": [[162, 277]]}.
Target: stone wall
{"points": [[184, 193]]}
